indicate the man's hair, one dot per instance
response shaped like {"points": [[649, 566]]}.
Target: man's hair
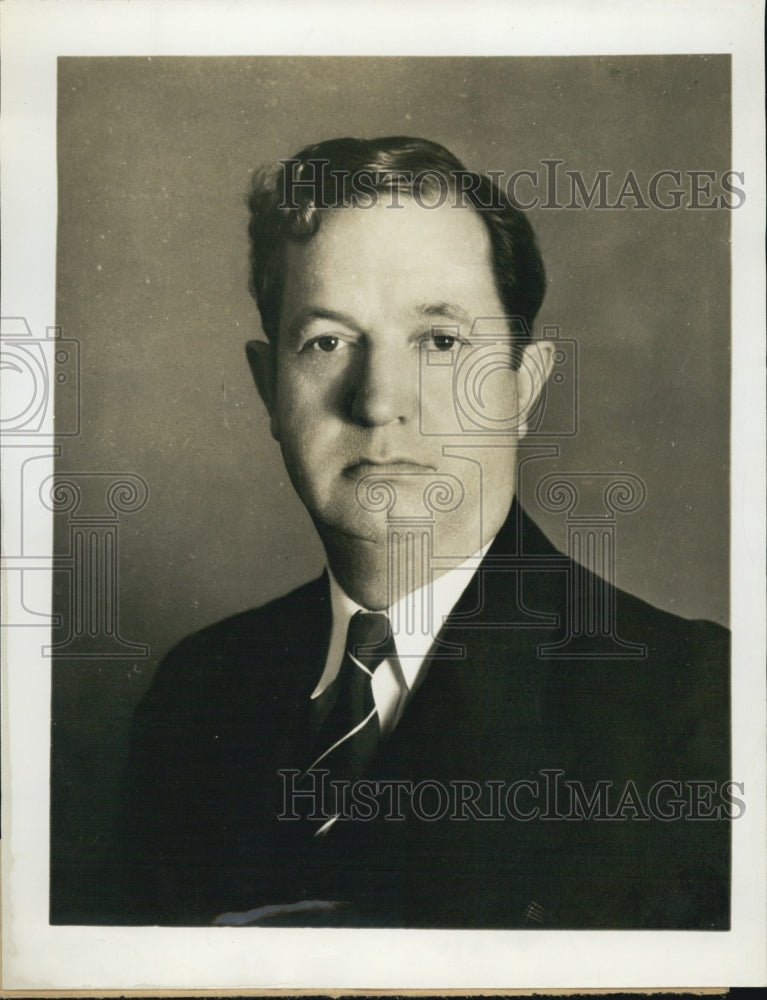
{"points": [[287, 204]]}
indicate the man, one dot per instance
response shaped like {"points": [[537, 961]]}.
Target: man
{"points": [[421, 738]]}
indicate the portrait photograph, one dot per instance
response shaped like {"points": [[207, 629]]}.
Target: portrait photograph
{"points": [[381, 552]]}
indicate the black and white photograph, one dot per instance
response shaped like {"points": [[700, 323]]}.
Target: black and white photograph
{"points": [[388, 441]]}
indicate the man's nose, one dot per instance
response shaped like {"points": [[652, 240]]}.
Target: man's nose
{"points": [[385, 387]]}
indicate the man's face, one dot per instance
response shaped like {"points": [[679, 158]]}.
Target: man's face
{"points": [[361, 397]]}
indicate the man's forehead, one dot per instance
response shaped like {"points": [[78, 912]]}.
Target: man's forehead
{"points": [[389, 242]]}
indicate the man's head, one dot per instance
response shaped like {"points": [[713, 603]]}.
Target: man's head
{"points": [[371, 306]]}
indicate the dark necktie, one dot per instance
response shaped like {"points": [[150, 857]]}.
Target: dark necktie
{"points": [[350, 733]]}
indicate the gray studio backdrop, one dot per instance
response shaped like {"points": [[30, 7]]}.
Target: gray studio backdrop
{"points": [[154, 163]]}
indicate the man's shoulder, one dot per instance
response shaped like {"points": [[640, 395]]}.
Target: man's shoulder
{"points": [[668, 637], [299, 609], [613, 649], [592, 605], [644, 678], [243, 650], [656, 645]]}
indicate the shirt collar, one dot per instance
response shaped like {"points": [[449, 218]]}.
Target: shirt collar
{"points": [[416, 618]]}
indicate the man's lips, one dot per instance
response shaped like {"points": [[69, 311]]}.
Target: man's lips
{"points": [[393, 466]]}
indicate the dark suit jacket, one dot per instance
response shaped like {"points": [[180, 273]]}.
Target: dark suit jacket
{"points": [[516, 690]]}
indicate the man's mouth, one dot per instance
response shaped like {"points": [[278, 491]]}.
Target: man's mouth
{"points": [[397, 466]]}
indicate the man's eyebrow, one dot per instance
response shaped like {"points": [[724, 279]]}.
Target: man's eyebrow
{"points": [[446, 310], [308, 316]]}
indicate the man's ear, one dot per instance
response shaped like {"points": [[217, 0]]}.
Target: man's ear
{"points": [[534, 369], [262, 365]]}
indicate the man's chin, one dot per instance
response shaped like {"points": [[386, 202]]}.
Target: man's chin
{"points": [[370, 531]]}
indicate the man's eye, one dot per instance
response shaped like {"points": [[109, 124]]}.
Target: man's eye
{"points": [[444, 341], [326, 343]]}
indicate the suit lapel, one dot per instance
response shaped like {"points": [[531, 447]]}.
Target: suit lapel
{"points": [[306, 631], [482, 695]]}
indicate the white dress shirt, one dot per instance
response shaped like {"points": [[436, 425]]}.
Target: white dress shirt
{"points": [[416, 620]]}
